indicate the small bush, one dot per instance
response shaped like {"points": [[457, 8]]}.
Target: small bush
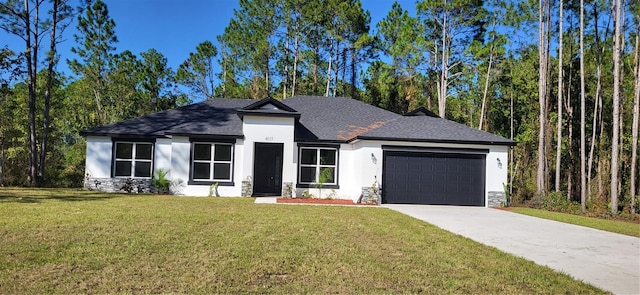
{"points": [[160, 181], [129, 186], [555, 201]]}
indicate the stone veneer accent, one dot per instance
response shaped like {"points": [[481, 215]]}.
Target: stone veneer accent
{"points": [[247, 188], [114, 185], [371, 195], [287, 190], [496, 199]]}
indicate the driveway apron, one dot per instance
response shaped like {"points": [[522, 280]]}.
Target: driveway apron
{"points": [[607, 260]]}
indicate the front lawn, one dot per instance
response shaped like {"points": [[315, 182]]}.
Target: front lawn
{"points": [[64, 241], [621, 227]]}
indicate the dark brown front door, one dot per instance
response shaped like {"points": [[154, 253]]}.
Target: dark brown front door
{"points": [[267, 169]]}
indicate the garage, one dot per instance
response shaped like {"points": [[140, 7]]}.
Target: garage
{"points": [[434, 178]]}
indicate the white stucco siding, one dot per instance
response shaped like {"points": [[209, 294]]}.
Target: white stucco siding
{"points": [[98, 160], [180, 161], [348, 176], [263, 129], [162, 156], [369, 162], [497, 173]]}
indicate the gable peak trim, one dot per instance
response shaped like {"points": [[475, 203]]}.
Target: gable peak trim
{"points": [[265, 102]]}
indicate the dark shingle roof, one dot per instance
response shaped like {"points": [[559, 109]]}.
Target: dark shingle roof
{"points": [[432, 129], [336, 118], [211, 117], [332, 119]]}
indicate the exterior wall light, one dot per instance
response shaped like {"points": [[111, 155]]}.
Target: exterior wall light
{"points": [[499, 163], [374, 159]]}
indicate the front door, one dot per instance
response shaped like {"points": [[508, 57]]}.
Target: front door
{"points": [[267, 169]]}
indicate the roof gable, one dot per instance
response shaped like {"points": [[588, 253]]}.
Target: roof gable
{"points": [[268, 104], [268, 107], [422, 111]]}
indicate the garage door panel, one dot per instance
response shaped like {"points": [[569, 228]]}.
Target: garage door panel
{"points": [[434, 178]]}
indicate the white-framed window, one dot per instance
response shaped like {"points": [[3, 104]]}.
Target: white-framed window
{"points": [[212, 162], [317, 162], [133, 159]]}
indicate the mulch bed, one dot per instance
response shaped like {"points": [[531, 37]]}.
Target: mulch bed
{"points": [[316, 201], [503, 208]]}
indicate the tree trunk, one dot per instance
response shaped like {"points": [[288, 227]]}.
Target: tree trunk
{"points": [[286, 68], [295, 66], [634, 132], [486, 86], [32, 65], [337, 70], [616, 107], [354, 59], [542, 92], [315, 69], [326, 92], [569, 108], [560, 83], [442, 94], [596, 109], [583, 175], [511, 137], [48, 88], [600, 151]]}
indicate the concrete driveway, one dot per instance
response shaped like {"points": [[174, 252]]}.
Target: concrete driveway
{"points": [[607, 260]]}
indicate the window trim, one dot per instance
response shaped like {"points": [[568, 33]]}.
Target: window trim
{"points": [[318, 166], [133, 159], [212, 162]]}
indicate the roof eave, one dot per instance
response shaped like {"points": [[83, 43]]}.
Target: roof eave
{"points": [[242, 113], [86, 133], [496, 143]]}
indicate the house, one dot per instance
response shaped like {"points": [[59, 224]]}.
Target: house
{"points": [[243, 147]]}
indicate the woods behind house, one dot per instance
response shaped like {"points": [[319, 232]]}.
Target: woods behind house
{"points": [[562, 78]]}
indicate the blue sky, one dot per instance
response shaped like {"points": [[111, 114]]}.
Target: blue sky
{"points": [[174, 27]]}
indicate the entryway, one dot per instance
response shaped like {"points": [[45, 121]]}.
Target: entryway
{"points": [[267, 169]]}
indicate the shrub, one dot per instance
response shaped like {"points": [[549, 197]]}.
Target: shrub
{"points": [[160, 181], [129, 185]]}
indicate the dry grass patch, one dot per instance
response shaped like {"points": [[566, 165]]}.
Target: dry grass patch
{"points": [[63, 241]]}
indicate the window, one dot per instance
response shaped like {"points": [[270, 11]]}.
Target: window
{"points": [[318, 164], [212, 162], [133, 159]]}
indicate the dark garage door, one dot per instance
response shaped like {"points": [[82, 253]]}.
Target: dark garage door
{"points": [[433, 178]]}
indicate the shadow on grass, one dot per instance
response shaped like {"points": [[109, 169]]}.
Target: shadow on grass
{"points": [[40, 195]]}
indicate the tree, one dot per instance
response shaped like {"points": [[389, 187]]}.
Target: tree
{"points": [[636, 115], [156, 77], [560, 90], [453, 24], [61, 14], [27, 21], [197, 72], [583, 174], [617, 47], [400, 38], [543, 58], [96, 38]]}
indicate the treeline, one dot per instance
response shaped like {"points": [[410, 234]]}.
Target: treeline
{"points": [[559, 77]]}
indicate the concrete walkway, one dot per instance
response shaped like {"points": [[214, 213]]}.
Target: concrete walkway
{"points": [[266, 200], [607, 260]]}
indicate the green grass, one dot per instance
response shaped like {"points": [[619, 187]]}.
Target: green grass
{"points": [[64, 241], [614, 226]]}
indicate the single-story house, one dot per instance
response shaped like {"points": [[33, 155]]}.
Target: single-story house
{"points": [[241, 147]]}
